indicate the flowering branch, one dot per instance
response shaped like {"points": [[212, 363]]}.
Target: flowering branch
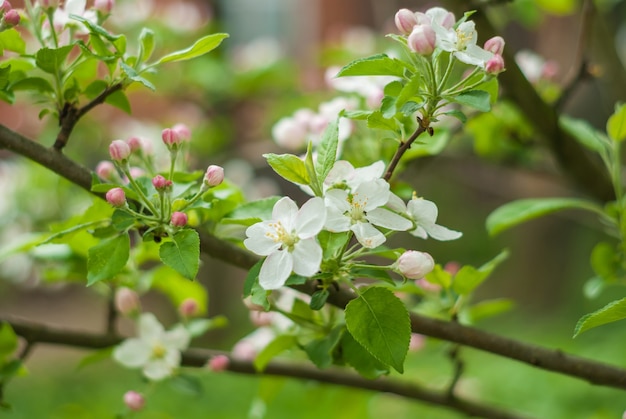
{"points": [[35, 333]]}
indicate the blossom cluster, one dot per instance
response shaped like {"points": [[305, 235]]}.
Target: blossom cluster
{"points": [[437, 28], [356, 201]]}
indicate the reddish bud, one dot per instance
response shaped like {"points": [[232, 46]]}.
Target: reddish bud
{"points": [[414, 264], [495, 65], [105, 170], [219, 363], [119, 150], [179, 219], [189, 307], [116, 197], [104, 6], [214, 175], [134, 401], [135, 144], [495, 45], [127, 301], [422, 39], [183, 131], [405, 21], [5, 6], [11, 18], [160, 183], [171, 138]]}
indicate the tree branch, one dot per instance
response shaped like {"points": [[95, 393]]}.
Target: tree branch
{"points": [[35, 333]]}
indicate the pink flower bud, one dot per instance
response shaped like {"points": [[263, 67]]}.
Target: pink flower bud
{"points": [[105, 170], [291, 132], [495, 65], [189, 307], [119, 150], [495, 45], [104, 6], [160, 183], [179, 219], [417, 342], [171, 138], [136, 172], [116, 197], [219, 363], [135, 144], [422, 40], [127, 301], [452, 268], [414, 264], [11, 18], [405, 21], [214, 175], [183, 131], [5, 6], [261, 318], [134, 401]]}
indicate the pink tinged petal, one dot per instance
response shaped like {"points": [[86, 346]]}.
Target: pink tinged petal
{"points": [[335, 221], [260, 239], [311, 218], [132, 353], [275, 270], [285, 211], [149, 328], [157, 369], [388, 219], [368, 235], [442, 233], [177, 338], [307, 257]]}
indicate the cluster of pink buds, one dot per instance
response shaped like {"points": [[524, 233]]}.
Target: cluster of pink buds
{"points": [[9, 17]]}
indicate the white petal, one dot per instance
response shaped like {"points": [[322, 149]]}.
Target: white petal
{"points": [[307, 257], [368, 235], [177, 338], [341, 171], [422, 211], [260, 239], [149, 328], [337, 198], [336, 221], [132, 353], [76, 7], [442, 233], [285, 211], [367, 173], [419, 232], [157, 369], [388, 219], [311, 218], [373, 194], [275, 270], [396, 203]]}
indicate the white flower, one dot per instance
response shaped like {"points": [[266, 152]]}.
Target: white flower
{"points": [[424, 213], [343, 173], [360, 209], [288, 241], [461, 42], [156, 351]]}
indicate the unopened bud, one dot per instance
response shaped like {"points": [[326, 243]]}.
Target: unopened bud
{"points": [[422, 39], [183, 131], [134, 401], [105, 170], [495, 65], [179, 219], [171, 138], [135, 144], [119, 150], [405, 21], [261, 318], [11, 18], [495, 45], [291, 133], [414, 264], [116, 197], [160, 183], [214, 175], [219, 363], [5, 6], [104, 6], [127, 301], [189, 307]]}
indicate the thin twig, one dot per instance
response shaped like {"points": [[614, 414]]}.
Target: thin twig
{"points": [[403, 147]]}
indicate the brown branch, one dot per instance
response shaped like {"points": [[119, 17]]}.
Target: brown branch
{"points": [[36, 333], [403, 147], [70, 115]]}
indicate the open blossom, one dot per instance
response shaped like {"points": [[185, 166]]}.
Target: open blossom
{"points": [[288, 241], [424, 214], [155, 351], [360, 210], [344, 174]]}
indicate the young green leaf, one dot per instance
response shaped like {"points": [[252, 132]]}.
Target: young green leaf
{"points": [[107, 258], [252, 278], [274, 348], [289, 167], [517, 212], [320, 351], [380, 323], [50, 60], [477, 99], [11, 40], [614, 311], [119, 100], [584, 133], [616, 125], [182, 253], [318, 299], [8, 341], [468, 277], [146, 44], [360, 359], [133, 75], [200, 47], [327, 150], [376, 65]]}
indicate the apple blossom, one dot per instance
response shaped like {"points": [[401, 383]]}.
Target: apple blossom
{"points": [[155, 351], [214, 175], [495, 65], [5, 6], [405, 20], [183, 131], [494, 45], [288, 241], [105, 170], [134, 400], [10, 19], [422, 40], [104, 6], [415, 265], [424, 214], [179, 219], [160, 183], [219, 363], [127, 301], [171, 138], [119, 150], [189, 307], [116, 197]]}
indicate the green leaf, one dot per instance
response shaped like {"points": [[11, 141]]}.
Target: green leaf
{"points": [[584, 133], [119, 100], [316, 184], [36, 84], [614, 311], [133, 75], [517, 212], [51, 60], [107, 258], [122, 220], [380, 323], [200, 47], [177, 288], [376, 120], [274, 348], [332, 243], [289, 167], [376, 65], [605, 261], [468, 277], [439, 276], [182, 253], [371, 273], [327, 150], [187, 384], [252, 212], [95, 29], [11, 40], [489, 308], [318, 299], [8, 341], [252, 278], [360, 359], [477, 99], [146, 43], [320, 351], [616, 125], [95, 357]]}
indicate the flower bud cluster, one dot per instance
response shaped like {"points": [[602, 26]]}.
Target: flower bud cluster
{"points": [[9, 17]]}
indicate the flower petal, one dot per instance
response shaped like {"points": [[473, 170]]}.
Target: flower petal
{"points": [[150, 329], [177, 338], [422, 211], [372, 194], [336, 221], [442, 233], [275, 270], [285, 211], [311, 218], [384, 218], [337, 198], [260, 239], [396, 203], [307, 257], [368, 235], [157, 369], [132, 353]]}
